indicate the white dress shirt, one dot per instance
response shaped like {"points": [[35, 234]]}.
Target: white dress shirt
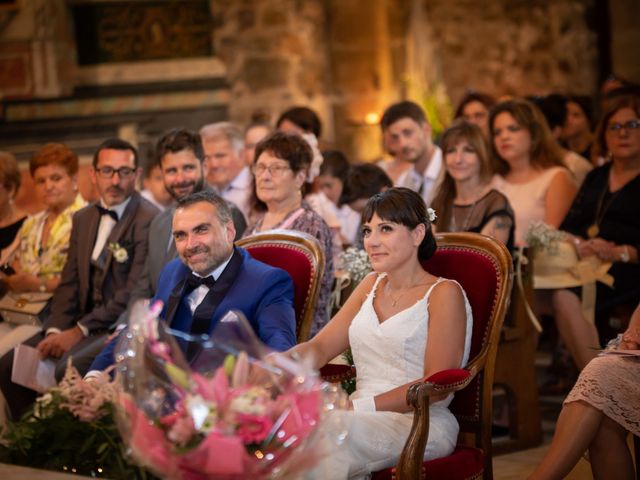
{"points": [[424, 184], [196, 297], [238, 191], [106, 226]]}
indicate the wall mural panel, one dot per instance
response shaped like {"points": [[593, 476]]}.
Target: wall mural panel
{"points": [[148, 30]]}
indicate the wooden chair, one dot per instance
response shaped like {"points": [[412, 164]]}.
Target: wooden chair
{"points": [[300, 255], [483, 267]]}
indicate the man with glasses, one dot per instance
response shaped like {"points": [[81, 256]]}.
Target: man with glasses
{"points": [[107, 251]]}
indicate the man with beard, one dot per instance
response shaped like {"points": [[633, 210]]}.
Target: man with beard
{"points": [[107, 252], [180, 155], [407, 136], [212, 277]]}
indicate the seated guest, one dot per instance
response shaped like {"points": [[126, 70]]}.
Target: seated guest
{"points": [[43, 239], [466, 200], [107, 250], [407, 134], [300, 120], [598, 415], [529, 164], [576, 131], [305, 122], [402, 324], [180, 157], [333, 173], [554, 109], [212, 277], [363, 182], [280, 171], [153, 186], [474, 108], [257, 130], [227, 172], [604, 221], [11, 217]]}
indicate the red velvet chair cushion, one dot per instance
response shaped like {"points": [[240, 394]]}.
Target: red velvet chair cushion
{"points": [[463, 463], [294, 262], [477, 275], [449, 377]]}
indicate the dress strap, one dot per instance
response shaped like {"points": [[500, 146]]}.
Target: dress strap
{"points": [[440, 280], [374, 289]]}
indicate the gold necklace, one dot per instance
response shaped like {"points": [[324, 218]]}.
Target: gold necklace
{"points": [[594, 229], [394, 301]]}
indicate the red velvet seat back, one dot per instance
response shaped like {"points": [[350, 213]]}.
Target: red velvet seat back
{"points": [[478, 276], [296, 263]]}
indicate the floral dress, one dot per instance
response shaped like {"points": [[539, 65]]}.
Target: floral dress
{"points": [[307, 220], [46, 261]]}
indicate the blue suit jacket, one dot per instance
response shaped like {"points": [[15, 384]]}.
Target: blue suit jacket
{"points": [[263, 293]]}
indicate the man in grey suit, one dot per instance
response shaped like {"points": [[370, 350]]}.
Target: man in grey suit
{"points": [[107, 252]]}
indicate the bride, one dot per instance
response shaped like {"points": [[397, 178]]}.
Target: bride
{"points": [[403, 324]]}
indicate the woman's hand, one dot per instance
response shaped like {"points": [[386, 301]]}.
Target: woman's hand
{"points": [[23, 282], [630, 340], [604, 249]]}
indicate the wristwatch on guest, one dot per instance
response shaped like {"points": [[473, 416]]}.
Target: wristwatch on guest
{"points": [[624, 255]]}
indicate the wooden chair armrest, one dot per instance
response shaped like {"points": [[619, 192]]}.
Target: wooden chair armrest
{"points": [[336, 373], [441, 383]]}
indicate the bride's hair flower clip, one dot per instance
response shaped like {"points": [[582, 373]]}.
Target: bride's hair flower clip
{"points": [[431, 213]]}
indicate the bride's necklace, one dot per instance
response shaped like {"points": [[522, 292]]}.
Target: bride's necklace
{"points": [[394, 301]]}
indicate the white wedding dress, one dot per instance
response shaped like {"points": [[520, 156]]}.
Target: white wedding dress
{"points": [[387, 355]]}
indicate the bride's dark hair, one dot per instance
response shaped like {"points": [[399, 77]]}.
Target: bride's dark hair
{"points": [[405, 207]]}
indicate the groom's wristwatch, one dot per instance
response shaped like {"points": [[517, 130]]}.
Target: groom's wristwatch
{"points": [[624, 255]]}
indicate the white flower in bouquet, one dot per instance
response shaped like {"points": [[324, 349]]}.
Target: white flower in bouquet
{"points": [[542, 236], [356, 262], [250, 401]]}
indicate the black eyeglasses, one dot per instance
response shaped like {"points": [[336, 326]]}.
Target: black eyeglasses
{"points": [[630, 125], [108, 172]]}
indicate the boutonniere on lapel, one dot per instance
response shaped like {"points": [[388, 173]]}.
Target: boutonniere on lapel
{"points": [[119, 252]]}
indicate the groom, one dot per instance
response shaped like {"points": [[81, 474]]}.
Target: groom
{"points": [[212, 277]]}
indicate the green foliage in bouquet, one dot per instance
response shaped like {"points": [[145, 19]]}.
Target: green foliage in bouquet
{"points": [[349, 386], [71, 429]]}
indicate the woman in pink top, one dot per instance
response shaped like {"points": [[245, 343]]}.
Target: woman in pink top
{"points": [[530, 171]]}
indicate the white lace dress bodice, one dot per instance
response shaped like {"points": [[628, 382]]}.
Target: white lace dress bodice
{"points": [[388, 355]]}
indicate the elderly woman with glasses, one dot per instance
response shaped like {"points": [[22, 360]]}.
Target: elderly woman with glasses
{"points": [[280, 170], [43, 240], [604, 221]]}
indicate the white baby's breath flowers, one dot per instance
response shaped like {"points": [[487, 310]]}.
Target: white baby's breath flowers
{"points": [[356, 262], [431, 213], [542, 236]]}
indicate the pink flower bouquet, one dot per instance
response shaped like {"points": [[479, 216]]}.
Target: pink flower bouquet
{"points": [[237, 410]]}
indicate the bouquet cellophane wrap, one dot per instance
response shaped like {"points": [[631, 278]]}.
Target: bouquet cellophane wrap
{"points": [[236, 410]]}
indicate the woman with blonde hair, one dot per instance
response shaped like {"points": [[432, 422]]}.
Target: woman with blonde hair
{"points": [[529, 167], [466, 201]]}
